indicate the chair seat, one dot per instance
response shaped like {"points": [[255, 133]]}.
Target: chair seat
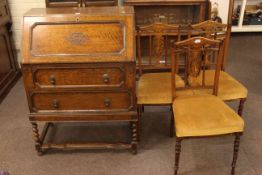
{"points": [[228, 88], [155, 88], [204, 115]]}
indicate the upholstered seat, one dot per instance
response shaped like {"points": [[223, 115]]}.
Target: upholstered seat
{"points": [[204, 115], [155, 88], [228, 88]]}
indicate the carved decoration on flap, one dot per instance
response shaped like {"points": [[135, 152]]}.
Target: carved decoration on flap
{"points": [[77, 38]]}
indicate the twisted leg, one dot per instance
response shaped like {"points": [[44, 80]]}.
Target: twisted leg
{"points": [[241, 106], [235, 154], [134, 137], [171, 122], [139, 121], [37, 139], [177, 152]]}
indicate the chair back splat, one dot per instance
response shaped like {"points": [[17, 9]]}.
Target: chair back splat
{"points": [[194, 52], [153, 46], [212, 30]]}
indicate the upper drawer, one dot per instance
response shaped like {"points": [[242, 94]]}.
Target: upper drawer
{"points": [[79, 77], [4, 12], [79, 35]]}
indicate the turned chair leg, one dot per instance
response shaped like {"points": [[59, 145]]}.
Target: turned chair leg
{"points": [[177, 154], [235, 154], [139, 110], [171, 122], [37, 139], [241, 106], [134, 128]]}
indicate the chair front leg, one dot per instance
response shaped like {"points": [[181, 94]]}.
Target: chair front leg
{"points": [[241, 106], [235, 153], [177, 154], [139, 110]]}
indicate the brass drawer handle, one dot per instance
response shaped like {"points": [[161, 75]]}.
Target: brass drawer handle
{"points": [[52, 80], [56, 104], [107, 102], [106, 78]]}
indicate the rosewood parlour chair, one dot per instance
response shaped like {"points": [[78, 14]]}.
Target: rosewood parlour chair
{"points": [[229, 88], [201, 115], [152, 43]]}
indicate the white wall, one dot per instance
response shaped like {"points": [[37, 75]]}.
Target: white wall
{"points": [[18, 8], [223, 6]]}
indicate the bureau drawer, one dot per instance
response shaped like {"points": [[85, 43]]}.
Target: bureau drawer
{"points": [[4, 12], [82, 101], [79, 77]]}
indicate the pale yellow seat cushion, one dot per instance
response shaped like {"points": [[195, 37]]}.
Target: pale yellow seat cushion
{"points": [[156, 88], [204, 115], [228, 88]]}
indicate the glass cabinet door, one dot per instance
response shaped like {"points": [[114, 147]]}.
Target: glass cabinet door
{"points": [[63, 3]]}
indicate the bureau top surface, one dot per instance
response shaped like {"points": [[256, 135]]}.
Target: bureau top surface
{"points": [[90, 11]]}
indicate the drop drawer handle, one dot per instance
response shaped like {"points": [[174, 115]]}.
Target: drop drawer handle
{"points": [[52, 80], [107, 102], [106, 78], [56, 104]]}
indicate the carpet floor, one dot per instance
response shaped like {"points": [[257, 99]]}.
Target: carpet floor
{"points": [[156, 150]]}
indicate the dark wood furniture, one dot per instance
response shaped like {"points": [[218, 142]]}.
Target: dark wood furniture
{"points": [[84, 72], [208, 116], [80, 3], [175, 12], [9, 70], [170, 11]]}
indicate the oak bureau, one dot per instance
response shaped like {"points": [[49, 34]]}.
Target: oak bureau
{"points": [[79, 66]]}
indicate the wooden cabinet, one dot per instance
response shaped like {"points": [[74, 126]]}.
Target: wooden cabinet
{"points": [[9, 71], [80, 3], [84, 72], [170, 11], [175, 12]]}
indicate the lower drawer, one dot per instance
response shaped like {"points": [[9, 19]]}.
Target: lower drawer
{"points": [[82, 101]]}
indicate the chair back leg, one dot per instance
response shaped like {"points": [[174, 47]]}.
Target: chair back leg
{"points": [[241, 106], [171, 122]]}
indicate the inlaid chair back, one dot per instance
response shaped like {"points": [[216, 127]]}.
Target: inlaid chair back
{"points": [[153, 44], [212, 30], [208, 29], [194, 52]]}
